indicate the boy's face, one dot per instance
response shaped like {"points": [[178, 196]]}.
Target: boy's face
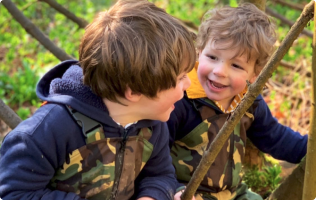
{"points": [[161, 107], [222, 75]]}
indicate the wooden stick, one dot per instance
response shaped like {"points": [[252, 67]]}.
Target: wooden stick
{"points": [[34, 31], [8, 115]]}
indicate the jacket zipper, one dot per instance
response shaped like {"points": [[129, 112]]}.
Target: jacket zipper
{"points": [[119, 163]]}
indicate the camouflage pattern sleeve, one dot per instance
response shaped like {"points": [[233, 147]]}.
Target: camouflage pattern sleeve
{"points": [[157, 179]]}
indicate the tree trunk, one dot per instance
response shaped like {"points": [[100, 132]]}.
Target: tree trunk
{"points": [[253, 156], [34, 31], [253, 91], [261, 4], [309, 191], [292, 187]]}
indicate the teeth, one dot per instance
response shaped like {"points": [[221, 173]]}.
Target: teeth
{"points": [[216, 86]]}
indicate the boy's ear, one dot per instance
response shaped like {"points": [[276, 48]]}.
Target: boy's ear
{"points": [[132, 96], [253, 78]]}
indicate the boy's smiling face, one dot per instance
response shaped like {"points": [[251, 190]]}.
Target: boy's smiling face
{"points": [[222, 74]]}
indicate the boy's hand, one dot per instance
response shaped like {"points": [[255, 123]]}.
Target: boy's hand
{"points": [[177, 196], [145, 198]]}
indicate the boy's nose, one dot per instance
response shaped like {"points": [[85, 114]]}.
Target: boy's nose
{"points": [[220, 70]]}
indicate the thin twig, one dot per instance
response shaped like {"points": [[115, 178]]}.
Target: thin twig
{"points": [[81, 22], [287, 21], [34, 31], [8, 115], [7, 21], [295, 6]]}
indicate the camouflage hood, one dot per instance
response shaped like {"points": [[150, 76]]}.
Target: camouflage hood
{"points": [[64, 84]]}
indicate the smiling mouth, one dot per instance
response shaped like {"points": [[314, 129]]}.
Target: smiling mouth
{"points": [[217, 85]]}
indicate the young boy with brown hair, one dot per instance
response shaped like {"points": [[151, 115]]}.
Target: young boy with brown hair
{"points": [[100, 135], [233, 44]]}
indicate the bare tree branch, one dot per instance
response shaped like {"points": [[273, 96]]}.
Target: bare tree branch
{"points": [[190, 25], [8, 115], [81, 22], [286, 21], [290, 5], [34, 31], [253, 91], [22, 9], [287, 65], [292, 67]]}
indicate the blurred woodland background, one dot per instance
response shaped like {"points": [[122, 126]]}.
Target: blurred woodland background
{"points": [[23, 60]]}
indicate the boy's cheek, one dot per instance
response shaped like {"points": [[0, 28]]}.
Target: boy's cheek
{"points": [[202, 71], [239, 84]]}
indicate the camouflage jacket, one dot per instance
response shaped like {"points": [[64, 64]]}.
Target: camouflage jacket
{"points": [[105, 168], [194, 124], [35, 156]]}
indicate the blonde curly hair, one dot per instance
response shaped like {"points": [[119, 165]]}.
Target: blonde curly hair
{"points": [[245, 28]]}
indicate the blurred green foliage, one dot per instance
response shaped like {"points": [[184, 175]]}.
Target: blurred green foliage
{"points": [[19, 87], [263, 181], [23, 60]]}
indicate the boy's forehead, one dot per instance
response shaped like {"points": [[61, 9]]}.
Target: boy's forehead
{"points": [[238, 52], [219, 44]]}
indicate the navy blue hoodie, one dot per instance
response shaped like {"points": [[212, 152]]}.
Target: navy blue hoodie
{"points": [[33, 151]]}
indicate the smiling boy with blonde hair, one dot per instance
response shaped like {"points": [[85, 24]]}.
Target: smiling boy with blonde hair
{"points": [[233, 44]]}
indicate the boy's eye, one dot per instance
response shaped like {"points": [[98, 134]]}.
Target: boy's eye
{"points": [[212, 57], [183, 77], [237, 66]]}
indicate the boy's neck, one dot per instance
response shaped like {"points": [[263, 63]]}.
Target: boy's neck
{"points": [[225, 104], [229, 106], [121, 114]]}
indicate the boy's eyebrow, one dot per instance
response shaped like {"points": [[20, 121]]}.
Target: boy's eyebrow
{"points": [[210, 48], [238, 58]]}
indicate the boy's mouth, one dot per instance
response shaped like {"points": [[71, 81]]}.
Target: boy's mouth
{"points": [[217, 85]]}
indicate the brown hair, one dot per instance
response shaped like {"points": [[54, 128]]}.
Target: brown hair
{"points": [[137, 45], [245, 28]]}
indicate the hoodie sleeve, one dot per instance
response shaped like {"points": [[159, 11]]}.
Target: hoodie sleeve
{"points": [[30, 154], [157, 179], [275, 139], [183, 120]]}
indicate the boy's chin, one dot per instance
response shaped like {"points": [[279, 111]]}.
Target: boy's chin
{"points": [[162, 118], [213, 97]]}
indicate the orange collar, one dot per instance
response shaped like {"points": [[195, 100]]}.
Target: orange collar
{"points": [[196, 91]]}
